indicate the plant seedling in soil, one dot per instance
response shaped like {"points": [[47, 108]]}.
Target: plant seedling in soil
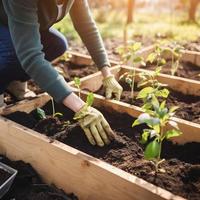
{"points": [[176, 53], [154, 89], [156, 116], [130, 54], [157, 57], [77, 83]]}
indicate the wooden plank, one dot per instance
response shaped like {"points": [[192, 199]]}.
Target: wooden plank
{"points": [[186, 86], [26, 105], [72, 170], [189, 87], [191, 131]]}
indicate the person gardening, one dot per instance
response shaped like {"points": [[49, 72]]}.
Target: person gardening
{"points": [[28, 44]]}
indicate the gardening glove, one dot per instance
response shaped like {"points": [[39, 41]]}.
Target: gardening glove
{"points": [[96, 128], [20, 90], [112, 87]]}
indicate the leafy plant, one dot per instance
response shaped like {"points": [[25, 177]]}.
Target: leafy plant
{"points": [[130, 54], [176, 52], [157, 56], [156, 116], [77, 83]]}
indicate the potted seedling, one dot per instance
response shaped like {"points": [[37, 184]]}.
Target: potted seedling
{"points": [[130, 54]]}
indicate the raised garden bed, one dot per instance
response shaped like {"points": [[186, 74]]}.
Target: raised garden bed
{"points": [[29, 186], [125, 153], [184, 93], [189, 66]]}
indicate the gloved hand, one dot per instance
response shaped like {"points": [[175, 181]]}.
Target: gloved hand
{"points": [[95, 126], [112, 86]]}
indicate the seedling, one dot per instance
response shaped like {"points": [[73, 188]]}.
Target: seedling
{"points": [[130, 54], [154, 89], [89, 102], [156, 116], [77, 83], [176, 53], [156, 56]]}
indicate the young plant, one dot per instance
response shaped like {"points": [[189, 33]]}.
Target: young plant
{"points": [[130, 55], [156, 116], [154, 89], [176, 52], [156, 120], [157, 56], [77, 83]]}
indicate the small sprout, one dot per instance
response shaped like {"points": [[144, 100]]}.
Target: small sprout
{"points": [[77, 83], [58, 114], [90, 99], [130, 54]]}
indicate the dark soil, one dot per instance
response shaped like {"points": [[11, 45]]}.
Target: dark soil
{"points": [[185, 70], [193, 46], [189, 106], [182, 165], [29, 186], [4, 176], [111, 45]]}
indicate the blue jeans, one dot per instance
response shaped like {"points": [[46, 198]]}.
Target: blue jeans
{"points": [[54, 45]]}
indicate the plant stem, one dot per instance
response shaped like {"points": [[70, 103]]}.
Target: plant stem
{"points": [[53, 107], [132, 85], [172, 67], [79, 92]]}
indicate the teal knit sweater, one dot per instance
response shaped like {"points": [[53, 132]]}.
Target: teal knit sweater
{"points": [[24, 23]]}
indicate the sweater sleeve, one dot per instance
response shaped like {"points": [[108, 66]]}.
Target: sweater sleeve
{"points": [[24, 29], [85, 26]]}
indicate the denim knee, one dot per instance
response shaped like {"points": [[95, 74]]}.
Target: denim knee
{"points": [[54, 44]]}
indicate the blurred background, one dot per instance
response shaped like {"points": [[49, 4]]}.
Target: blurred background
{"points": [[146, 21]]}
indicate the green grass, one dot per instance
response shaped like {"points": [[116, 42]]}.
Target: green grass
{"points": [[111, 25]]}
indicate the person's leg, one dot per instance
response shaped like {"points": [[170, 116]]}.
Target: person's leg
{"points": [[54, 44], [10, 68]]}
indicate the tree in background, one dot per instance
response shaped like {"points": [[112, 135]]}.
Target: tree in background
{"points": [[131, 8], [193, 9]]}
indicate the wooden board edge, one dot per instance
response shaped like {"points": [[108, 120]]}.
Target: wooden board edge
{"points": [[26, 105], [65, 166], [191, 131]]}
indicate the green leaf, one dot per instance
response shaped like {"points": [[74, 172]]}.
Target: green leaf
{"points": [[157, 71], [173, 108], [137, 59], [172, 133], [77, 82], [152, 150], [136, 46], [41, 113], [90, 99], [162, 62], [162, 93], [145, 92], [135, 123], [151, 57], [58, 114], [145, 136]]}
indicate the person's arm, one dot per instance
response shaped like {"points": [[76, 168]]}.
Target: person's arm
{"points": [[24, 30], [86, 27]]}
